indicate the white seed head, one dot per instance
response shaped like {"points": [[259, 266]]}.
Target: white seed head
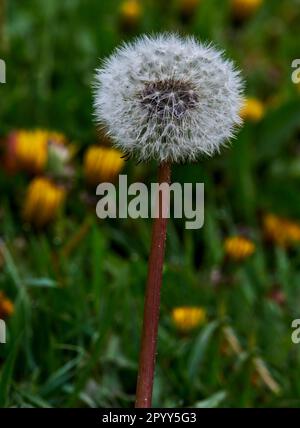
{"points": [[168, 98]]}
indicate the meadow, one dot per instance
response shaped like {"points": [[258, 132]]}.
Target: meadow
{"points": [[72, 285]]}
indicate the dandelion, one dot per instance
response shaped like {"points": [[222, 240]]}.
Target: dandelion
{"points": [[293, 231], [238, 248], [102, 164], [28, 150], [42, 202], [31, 150], [281, 231], [188, 318], [6, 306], [167, 99], [253, 110], [243, 9]]}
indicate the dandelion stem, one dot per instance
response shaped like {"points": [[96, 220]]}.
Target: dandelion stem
{"points": [[152, 298]]}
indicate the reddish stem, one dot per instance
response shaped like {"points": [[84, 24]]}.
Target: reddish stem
{"points": [[152, 300]]}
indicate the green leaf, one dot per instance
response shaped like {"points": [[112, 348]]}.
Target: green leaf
{"points": [[276, 129], [200, 348], [6, 374], [40, 282], [98, 255]]}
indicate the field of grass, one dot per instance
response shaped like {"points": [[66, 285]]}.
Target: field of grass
{"points": [[72, 290]]}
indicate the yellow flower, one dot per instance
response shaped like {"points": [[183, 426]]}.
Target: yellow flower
{"points": [[187, 318], [243, 9], [31, 149], [238, 248], [102, 164], [43, 200], [253, 110], [281, 231], [6, 306], [130, 12]]}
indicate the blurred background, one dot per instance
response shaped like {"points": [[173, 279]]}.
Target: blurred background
{"points": [[72, 286]]}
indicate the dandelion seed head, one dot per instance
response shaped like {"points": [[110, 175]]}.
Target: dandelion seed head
{"points": [[168, 98]]}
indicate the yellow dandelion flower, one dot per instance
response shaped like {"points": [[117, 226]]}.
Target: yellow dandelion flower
{"points": [[130, 12], [102, 164], [31, 149], [281, 231], [243, 9], [187, 318], [238, 248], [253, 110], [6, 306], [294, 232], [42, 202]]}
